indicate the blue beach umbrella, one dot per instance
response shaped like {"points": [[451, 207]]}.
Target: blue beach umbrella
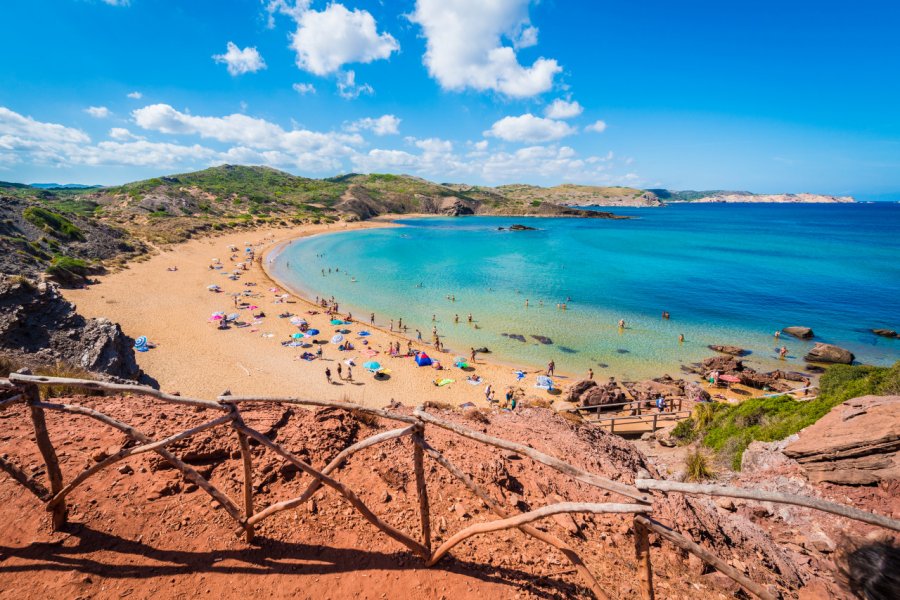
{"points": [[141, 341], [296, 336], [337, 339], [371, 366], [312, 332]]}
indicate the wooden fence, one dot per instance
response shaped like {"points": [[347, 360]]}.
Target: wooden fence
{"points": [[637, 502]]}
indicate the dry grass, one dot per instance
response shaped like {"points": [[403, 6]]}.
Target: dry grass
{"points": [[477, 415], [698, 466]]}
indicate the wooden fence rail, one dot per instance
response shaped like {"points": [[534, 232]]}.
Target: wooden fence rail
{"points": [[25, 388]]}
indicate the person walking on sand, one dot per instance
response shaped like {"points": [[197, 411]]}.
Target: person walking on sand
{"points": [[472, 355], [392, 324], [400, 323], [340, 376], [590, 374], [418, 335], [372, 319], [349, 373], [488, 393], [551, 367], [328, 374]]}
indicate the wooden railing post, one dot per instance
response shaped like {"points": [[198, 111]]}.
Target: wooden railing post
{"points": [[42, 437], [247, 460], [418, 439], [642, 553], [655, 415]]}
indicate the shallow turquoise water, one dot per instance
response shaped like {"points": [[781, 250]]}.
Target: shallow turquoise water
{"points": [[727, 274]]}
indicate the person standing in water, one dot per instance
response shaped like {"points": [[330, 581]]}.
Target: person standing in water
{"points": [[621, 323], [783, 352], [590, 374], [680, 338]]}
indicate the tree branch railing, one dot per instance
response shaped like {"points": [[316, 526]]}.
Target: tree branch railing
{"points": [[24, 388]]}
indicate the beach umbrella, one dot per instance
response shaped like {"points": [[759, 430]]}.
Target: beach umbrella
{"points": [[363, 333], [296, 336], [141, 341], [233, 317], [298, 321], [337, 322], [212, 288], [218, 317], [459, 359], [337, 339], [371, 366], [312, 332], [254, 307]]}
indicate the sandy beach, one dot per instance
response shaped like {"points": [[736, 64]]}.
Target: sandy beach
{"points": [[193, 357]]}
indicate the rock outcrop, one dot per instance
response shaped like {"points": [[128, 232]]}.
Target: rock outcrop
{"points": [[39, 326], [857, 443], [804, 333], [828, 353]]}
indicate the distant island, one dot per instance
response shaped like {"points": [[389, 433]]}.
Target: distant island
{"points": [[671, 196]]}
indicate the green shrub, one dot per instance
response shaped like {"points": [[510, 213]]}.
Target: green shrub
{"points": [[685, 431], [52, 222], [67, 269], [729, 429]]}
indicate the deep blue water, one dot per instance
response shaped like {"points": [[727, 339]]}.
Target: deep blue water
{"points": [[729, 274]]}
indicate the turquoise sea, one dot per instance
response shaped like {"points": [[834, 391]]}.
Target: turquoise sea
{"points": [[727, 274]]}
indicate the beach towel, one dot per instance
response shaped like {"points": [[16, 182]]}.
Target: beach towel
{"points": [[370, 352], [443, 382], [473, 382]]}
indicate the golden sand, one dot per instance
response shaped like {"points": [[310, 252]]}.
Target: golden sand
{"points": [[173, 308]]}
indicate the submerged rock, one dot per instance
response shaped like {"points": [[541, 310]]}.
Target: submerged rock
{"points": [[888, 333], [828, 353], [732, 350], [804, 333], [543, 339]]}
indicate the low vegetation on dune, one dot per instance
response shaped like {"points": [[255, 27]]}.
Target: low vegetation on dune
{"points": [[727, 429]]}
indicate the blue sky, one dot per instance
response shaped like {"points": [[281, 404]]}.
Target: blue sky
{"points": [[765, 96]]}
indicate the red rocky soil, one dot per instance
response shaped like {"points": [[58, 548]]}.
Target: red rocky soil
{"points": [[139, 529]]}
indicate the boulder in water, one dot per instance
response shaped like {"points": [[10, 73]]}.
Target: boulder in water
{"points": [[888, 333], [829, 353], [804, 333]]}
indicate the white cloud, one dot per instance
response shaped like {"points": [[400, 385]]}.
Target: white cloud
{"points": [[465, 46], [121, 134], [98, 112], [135, 95], [596, 127], [15, 127], [347, 87], [264, 141], [383, 125], [529, 128], [327, 40], [117, 2], [304, 88], [563, 109], [240, 61]]}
